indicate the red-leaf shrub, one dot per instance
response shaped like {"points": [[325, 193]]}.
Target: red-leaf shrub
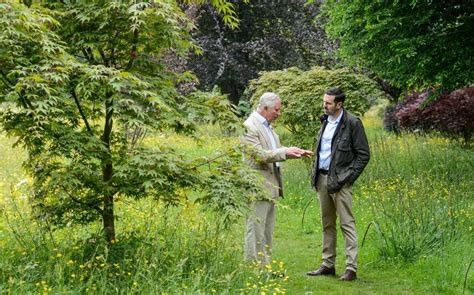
{"points": [[409, 113], [451, 113]]}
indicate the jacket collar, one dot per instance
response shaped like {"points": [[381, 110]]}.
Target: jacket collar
{"points": [[324, 118], [258, 122]]}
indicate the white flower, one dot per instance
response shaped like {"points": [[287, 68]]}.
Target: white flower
{"points": [[21, 182]]}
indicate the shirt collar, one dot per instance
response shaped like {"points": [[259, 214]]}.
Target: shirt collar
{"points": [[338, 118], [260, 118]]}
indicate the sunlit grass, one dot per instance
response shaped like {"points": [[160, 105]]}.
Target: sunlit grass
{"points": [[413, 186], [419, 192]]}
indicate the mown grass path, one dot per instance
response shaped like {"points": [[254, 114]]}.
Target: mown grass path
{"points": [[299, 247]]}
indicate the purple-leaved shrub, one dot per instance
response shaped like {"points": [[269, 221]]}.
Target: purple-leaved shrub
{"points": [[452, 114]]}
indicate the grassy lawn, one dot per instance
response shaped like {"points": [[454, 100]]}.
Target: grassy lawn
{"points": [[412, 182], [299, 244], [417, 190]]}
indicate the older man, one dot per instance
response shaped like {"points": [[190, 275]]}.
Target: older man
{"points": [[342, 152], [265, 158]]}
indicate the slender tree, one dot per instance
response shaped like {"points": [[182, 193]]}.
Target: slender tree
{"points": [[81, 83]]}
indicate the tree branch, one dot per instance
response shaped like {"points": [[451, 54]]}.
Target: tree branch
{"points": [[88, 56], [211, 160], [80, 111], [23, 102], [109, 111], [26, 104], [104, 58], [113, 61], [6, 83], [133, 52], [225, 57], [107, 161], [92, 206]]}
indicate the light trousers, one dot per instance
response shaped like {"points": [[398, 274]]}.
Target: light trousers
{"points": [[333, 205], [259, 234]]}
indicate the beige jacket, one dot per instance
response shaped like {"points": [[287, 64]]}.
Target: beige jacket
{"points": [[261, 155]]}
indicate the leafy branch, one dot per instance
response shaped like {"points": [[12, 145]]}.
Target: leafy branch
{"points": [[76, 100], [133, 52], [212, 160], [89, 56], [92, 206]]}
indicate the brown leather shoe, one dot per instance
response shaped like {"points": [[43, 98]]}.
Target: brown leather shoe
{"points": [[349, 275], [322, 271]]}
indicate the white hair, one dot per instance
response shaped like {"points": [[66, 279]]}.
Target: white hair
{"points": [[268, 99]]}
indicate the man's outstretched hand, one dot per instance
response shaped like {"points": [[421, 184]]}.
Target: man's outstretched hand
{"points": [[295, 152]]}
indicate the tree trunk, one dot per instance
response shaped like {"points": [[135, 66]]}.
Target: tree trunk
{"points": [[108, 218], [107, 172]]}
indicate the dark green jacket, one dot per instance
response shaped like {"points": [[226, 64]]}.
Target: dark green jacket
{"points": [[350, 152]]}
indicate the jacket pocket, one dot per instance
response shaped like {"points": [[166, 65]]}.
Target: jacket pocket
{"points": [[344, 146], [343, 175], [344, 155]]}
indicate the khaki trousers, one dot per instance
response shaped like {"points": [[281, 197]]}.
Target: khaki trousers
{"points": [[259, 235], [333, 205]]}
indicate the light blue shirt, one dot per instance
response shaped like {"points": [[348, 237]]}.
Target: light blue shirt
{"points": [[326, 140]]}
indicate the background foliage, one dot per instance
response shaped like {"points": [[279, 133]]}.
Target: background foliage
{"points": [[415, 46], [270, 36], [302, 92], [411, 44]]}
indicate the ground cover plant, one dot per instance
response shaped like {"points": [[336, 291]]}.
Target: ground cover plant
{"points": [[418, 191]]}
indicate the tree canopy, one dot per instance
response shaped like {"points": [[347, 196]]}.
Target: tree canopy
{"points": [[270, 36], [82, 83], [452, 114], [411, 44]]}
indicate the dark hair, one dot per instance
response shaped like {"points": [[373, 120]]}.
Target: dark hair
{"points": [[340, 96]]}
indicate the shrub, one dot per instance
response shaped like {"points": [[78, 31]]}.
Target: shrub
{"points": [[408, 112], [452, 114], [302, 92]]}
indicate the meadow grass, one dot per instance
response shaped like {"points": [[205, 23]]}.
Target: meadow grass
{"points": [[417, 191]]}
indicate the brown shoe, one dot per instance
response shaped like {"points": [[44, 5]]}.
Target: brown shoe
{"points": [[322, 271], [349, 275]]}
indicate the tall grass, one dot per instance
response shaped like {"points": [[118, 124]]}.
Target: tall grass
{"points": [[418, 190], [158, 249]]}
